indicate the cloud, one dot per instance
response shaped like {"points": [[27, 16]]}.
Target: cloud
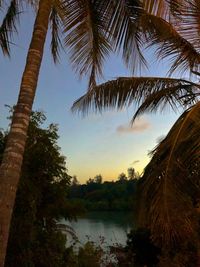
{"points": [[135, 162], [139, 126]]}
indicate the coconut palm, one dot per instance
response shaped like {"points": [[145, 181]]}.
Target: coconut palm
{"points": [[8, 26], [91, 28], [86, 24], [166, 177], [171, 186]]}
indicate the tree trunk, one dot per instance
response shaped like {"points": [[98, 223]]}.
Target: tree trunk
{"points": [[13, 156]]}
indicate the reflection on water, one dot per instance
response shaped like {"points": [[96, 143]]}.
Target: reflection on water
{"points": [[113, 226]]}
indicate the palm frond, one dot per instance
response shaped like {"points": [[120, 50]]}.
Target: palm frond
{"points": [[170, 44], [8, 26], [175, 96], [56, 43], [171, 182], [175, 7], [158, 8], [156, 23], [149, 92], [126, 36], [86, 36], [164, 9], [190, 27]]}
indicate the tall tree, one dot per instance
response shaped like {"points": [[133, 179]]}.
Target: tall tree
{"points": [[176, 37], [91, 27], [13, 155], [8, 25], [131, 173], [85, 24], [98, 179], [122, 177], [170, 184], [41, 200]]}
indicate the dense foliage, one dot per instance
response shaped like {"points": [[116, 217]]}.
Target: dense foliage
{"points": [[117, 195], [174, 168], [41, 200]]}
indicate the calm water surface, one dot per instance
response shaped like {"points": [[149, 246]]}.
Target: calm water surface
{"points": [[113, 226]]}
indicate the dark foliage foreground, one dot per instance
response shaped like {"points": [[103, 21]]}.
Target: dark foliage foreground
{"points": [[41, 201]]}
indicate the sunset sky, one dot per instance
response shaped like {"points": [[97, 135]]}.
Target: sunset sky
{"points": [[98, 144]]}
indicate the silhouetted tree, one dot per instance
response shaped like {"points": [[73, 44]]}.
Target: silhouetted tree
{"points": [[131, 173], [122, 177], [166, 177], [41, 200], [74, 180], [98, 179]]}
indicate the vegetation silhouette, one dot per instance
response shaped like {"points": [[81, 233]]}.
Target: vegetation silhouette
{"points": [[120, 195], [41, 201], [91, 29], [171, 179]]}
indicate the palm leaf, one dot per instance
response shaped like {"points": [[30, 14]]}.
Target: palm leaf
{"points": [[171, 182], [8, 26], [130, 22], [175, 96], [148, 91], [164, 9], [190, 26], [178, 39], [158, 8], [126, 34], [170, 44], [56, 43], [86, 36]]}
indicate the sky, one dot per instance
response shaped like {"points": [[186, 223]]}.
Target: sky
{"points": [[99, 143]]}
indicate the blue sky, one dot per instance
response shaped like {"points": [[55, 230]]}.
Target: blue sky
{"points": [[98, 144]]}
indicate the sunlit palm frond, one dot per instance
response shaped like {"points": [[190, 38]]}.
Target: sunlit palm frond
{"points": [[9, 26], [130, 21], [158, 8], [175, 96], [125, 91], [176, 7], [195, 14], [56, 43], [170, 44], [178, 39], [190, 26], [86, 36], [125, 33], [171, 182]]}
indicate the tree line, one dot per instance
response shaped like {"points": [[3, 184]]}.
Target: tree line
{"points": [[92, 30], [41, 201], [96, 195]]}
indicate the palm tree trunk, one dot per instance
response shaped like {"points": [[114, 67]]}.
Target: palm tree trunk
{"points": [[13, 156]]}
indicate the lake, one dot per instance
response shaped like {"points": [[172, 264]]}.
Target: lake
{"points": [[113, 226]]}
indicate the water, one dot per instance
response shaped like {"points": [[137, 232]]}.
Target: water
{"points": [[110, 226]]}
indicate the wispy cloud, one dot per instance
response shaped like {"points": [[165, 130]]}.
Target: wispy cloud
{"points": [[135, 162], [139, 126]]}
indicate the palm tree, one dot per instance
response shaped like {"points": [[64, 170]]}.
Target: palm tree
{"points": [[85, 25], [175, 35], [8, 25], [171, 186], [91, 28]]}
